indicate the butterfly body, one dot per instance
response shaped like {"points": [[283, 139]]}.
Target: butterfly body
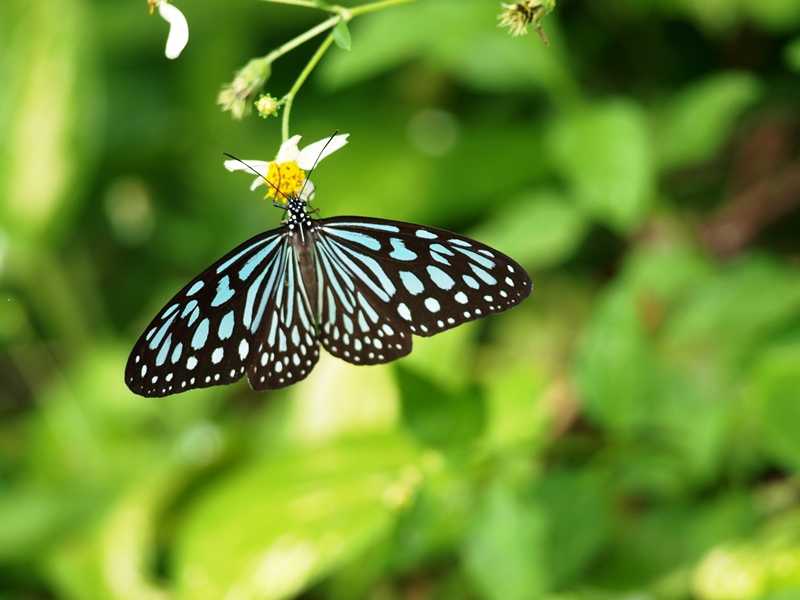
{"points": [[300, 229], [360, 287]]}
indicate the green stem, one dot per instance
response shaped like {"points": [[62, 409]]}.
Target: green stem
{"points": [[341, 10], [300, 39], [341, 14], [367, 8], [289, 97], [305, 3]]}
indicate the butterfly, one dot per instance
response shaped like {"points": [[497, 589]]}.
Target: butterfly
{"points": [[359, 286]]}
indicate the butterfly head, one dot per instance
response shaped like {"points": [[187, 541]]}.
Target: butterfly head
{"points": [[298, 217]]}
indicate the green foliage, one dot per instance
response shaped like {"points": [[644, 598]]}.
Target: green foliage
{"points": [[775, 392], [631, 430], [454, 420], [504, 551], [698, 122], [295, 520], [341, 35], [604, 153], [792, 54], [542, 228]]}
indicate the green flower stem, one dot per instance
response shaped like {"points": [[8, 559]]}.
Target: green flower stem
{"points": [[341, 13], [368, 8], [341, 10], [300, 39], [288, 99], [305, 3]]}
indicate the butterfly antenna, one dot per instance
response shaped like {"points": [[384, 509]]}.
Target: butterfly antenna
{"points": [[316, 162], [276, 187]]}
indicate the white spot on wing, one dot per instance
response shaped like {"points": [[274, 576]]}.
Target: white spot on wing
{"points": [[403, 311], [432, 304], [217, 355]]}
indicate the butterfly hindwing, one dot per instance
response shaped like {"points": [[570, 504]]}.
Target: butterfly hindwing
{"points": [[415, 279], [353, 325], [288, 347]]}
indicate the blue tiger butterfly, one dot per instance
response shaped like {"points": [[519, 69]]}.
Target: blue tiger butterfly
{"points": [[359, 286]]}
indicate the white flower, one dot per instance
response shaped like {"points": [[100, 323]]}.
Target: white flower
{"points": [[288, 171], [178, 29]]}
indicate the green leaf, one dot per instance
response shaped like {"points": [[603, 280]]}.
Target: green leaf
{"points": [[272, 528], [73, 571], [738, 313], [340, 401], [341, 35], [504, 553], [615, 363], [438, 417], [436, 522], [516, 413], [773, 15], [579, 515], [541, 229], [444, 358], [791, 54], [357, 578], [695, 447], [774, 393], [702, 117], [29, 519], [389, 38], [604, 153], [501, 162], [665, 537], [48, 118], [618, 367], [766, 566], [459, 38], [90, 564]]}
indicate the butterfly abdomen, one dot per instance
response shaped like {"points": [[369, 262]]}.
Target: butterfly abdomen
{"points": [[303, 246]]}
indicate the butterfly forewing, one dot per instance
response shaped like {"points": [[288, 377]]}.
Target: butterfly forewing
{"points": [[424, 280], [288, 347], [208, 333]]}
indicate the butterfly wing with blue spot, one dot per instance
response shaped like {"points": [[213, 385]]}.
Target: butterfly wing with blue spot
{"points": [[217, 327], [288, 347], [381, 281]]}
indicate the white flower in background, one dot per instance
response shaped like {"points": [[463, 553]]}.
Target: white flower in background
{"points": [[288, 171], [178, 28]]}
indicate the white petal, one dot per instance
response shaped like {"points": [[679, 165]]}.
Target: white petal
{"points": [[178, 29], [288, 151], [260, 166], [314, 153], [258, 181], [308, 190]]}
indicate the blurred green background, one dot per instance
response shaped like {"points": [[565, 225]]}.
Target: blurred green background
{"points": [[632, 431]]}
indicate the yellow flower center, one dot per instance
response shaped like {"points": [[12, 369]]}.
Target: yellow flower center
{"points": [[287, 177]]}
